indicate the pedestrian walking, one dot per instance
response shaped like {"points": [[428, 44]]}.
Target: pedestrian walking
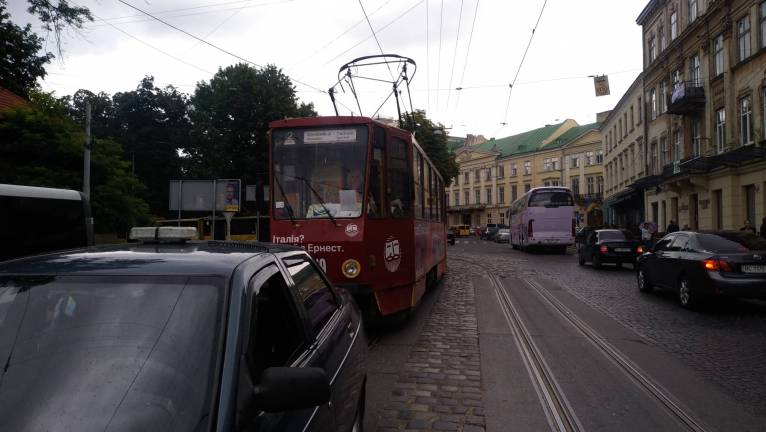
{"points": [[672, 227], [748, 227]]}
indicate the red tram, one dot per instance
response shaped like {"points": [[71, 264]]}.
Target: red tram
{"points": [[364, 199]]}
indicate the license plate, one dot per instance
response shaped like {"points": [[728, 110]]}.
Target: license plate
{"points": [[753, 268], [622, 249]]}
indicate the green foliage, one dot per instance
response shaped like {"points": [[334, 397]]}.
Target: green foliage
{"points": [[231, 118], [42, 146], [433, 139], [20, 64]]}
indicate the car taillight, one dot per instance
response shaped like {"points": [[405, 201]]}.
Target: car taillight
{"points": [[716, 265], [530, 231], [639, 250], [603, 249]]}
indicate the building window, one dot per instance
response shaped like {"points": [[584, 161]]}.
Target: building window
{"points": [[763, 24], [589, 158], [514, 193], [476, 175], [502, 218], [676, 77], [456, 202], [763, 111], [677, 145], [547, 166], [743, 37], [661, 37], [527, 187], [600, 185], [591, 185], [489, 218], [513, 170], [575, 160], [694, 70], [466, 196], [599, 156], [632, 120], [696, 137], [466, 177], [718, 55], [653, 102], [527, 167], [673, 25], [746, 120], [477, 195], [489, 196], [501, 195], [664, 151], [720, 128], [640, 110], [500, 171], [619, 129], [546, 183], [625, 124], [663, 96], [692, 10], [575, 181], [652, 49]]}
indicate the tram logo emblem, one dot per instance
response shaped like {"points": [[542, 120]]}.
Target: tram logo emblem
{"points": [[392, 255], [352, 230]]}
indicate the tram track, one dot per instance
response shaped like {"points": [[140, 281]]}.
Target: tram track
{"points": [[558, 411]]}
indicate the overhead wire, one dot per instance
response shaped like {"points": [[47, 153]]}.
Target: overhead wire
{"points": [[377, 41], [521, 63], [428, 59], [454, 56], [439, 61], [467, 53]]}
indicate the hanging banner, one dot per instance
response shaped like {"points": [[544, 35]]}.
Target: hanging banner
{"points": [[601, 84]]}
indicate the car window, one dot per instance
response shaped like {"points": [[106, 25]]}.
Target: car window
{"points": [[731, 242], [276, 333], [663, 244], [611, 235], [316, 294], [680, 243], [141, 348]]}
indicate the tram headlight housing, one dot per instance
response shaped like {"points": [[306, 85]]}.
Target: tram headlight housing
{"points": [[351, 268]]}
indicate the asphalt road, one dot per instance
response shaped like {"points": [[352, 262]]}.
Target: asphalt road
{"points": [[703, 370]]}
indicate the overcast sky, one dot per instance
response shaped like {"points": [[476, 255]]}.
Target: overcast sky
{"points": [[311, 39]]}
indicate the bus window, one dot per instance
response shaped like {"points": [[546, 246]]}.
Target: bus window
{"points": [[399, 178], [551, 199], [376, 194]]}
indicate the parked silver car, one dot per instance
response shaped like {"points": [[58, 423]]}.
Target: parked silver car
{"points": [[503, 235]]}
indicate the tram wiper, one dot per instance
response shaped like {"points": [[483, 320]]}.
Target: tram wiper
{"points": [[321, 201], [288, 207]]}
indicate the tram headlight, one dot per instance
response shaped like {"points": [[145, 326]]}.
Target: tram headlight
{"points": [[351, 268]]}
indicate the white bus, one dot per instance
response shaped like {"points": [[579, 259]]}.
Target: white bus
{"points": [[544, 217]]}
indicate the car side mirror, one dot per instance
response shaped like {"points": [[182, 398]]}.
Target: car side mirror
{"points": [[291, 388]]}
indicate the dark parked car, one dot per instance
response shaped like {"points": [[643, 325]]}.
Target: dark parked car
{"points": [[450, 236], [701, 265], [582, 234], [178, 336], [609, 246]]}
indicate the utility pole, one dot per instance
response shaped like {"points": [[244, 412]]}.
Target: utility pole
{"points": [[86, 167]]}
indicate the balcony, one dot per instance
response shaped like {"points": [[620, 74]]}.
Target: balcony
{"points": [[688, 97]]}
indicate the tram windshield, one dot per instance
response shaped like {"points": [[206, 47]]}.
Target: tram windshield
{"points": [[319, 171]]}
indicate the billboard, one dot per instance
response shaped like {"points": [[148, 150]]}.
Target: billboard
{"points": [[228, 195], [205, 195]]}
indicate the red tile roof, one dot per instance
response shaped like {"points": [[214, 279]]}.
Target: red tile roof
{"points": [[8, 99]]}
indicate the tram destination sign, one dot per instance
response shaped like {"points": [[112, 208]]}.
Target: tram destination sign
{"points": [[329, 136]]}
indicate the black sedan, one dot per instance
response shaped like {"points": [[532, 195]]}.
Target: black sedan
{"points": [[178, 336], [609, 246], [703, 265]]}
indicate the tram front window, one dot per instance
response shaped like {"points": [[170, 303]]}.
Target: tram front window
{"points": [[319, 171]]}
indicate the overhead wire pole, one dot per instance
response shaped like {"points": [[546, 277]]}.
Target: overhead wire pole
{"points": [[521, 63], [454, 56]]}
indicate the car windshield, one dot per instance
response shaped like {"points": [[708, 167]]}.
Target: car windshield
{"points": [[550, 199], [731, 242], [98, 353], [319, 172], [614, 235], [504, 231]]}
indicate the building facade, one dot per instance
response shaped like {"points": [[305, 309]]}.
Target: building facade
{"points": [[705, 113], [625, 159], [496, 172]]}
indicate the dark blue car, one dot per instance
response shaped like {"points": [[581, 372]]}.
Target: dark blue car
{"points": [[178, 336]]}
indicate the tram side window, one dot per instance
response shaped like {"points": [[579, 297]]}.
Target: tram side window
{"points": [[399, 179], [427, 190], [376, 194], [418, 178]]}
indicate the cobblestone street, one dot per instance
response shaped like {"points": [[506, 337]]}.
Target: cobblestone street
{"points": [[438, 384]]}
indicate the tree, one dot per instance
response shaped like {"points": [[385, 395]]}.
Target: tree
{"points": [[102, 113], [231, 117], [56, 18], [42, 146], [152, 125], [20, 65], [433, 139]]}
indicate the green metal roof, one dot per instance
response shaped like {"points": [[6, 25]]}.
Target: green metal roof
{"points": [[570, 135], [454, 143], [525, 142]]}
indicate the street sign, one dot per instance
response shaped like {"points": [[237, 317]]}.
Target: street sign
{"points": [[601, 84]]}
